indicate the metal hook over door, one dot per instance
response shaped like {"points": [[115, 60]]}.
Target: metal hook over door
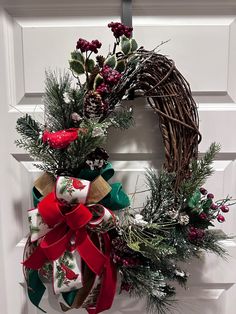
{"points": [[126, 12]]}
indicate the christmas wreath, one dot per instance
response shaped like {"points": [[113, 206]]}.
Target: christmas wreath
{"points": [[83, 229]]}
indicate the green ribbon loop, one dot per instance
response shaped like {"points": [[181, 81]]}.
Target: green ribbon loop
{"points": [[36, 288], [106, 172], [117, 198], [37, 196], [69, 296]]}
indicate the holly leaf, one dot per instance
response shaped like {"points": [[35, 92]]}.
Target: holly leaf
{"points": [[211, 224], [97, 81], [111, 61], [90, 65], [125, 45], [133, 60], [76, 66], [76, 55], [194, 201], [120, 66], [134, 45]]}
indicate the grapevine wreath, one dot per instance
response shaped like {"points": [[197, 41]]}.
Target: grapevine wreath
{"points": [[77, 242]]}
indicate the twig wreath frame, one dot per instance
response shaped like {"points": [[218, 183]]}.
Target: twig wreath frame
{"points": [[76, 240]]}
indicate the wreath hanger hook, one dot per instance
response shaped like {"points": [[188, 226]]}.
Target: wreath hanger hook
{"points": [[126, 12]]}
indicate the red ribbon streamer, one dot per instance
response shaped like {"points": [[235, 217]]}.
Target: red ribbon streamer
{"points": [[108, 286]]}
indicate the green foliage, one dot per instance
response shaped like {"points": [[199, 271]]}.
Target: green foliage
{"points": [[120, 66], [122, 118], [77, 67], [78, 56], [57, 110], [78, 150], [30, 132], [89, 65], [161, 242], [211, 242], [195, 199], [111, 61], [200, 171], [125, 45], [134, 45], [162, 197], [147, 281], [28, 128]]}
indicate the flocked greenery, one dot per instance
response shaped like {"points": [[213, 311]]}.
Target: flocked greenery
{"points": [[161, 241]]}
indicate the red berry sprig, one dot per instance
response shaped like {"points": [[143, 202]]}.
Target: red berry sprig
{"points": [[220, 218], [85, 45], [103, 89], [203, 191], [120, 29], [224, 208], [110, 76], [195, 234], [216, 208]]}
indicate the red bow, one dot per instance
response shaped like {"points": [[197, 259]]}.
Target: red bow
{"points": [[71, 226], [69, 233]]}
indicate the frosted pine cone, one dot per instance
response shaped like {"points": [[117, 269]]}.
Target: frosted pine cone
{"points": [[97, 158], [93, 105]]}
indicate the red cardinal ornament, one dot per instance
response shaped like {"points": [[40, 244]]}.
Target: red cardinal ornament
{"points": [[60, 139]]}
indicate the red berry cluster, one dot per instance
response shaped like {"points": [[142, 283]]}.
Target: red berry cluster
{"points": [[85, 45], [223, 208], [126, 262], [125, 286], [120, 29], [195, 234], [110, 76], [203, 216], [103, 89]]}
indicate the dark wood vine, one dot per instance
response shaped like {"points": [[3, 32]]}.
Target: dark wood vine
{"points": [[169, 94]]}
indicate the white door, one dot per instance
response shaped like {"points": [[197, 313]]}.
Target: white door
{"points": [[36, 35]]}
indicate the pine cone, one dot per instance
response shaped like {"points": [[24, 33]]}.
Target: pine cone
{"points": [[93, 105], [100, 61]]}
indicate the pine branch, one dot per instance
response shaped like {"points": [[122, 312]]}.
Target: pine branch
{"points": [[122, 119], [30, 131], [200, 171], [162, 198], [149, 282], [28, 128], [58, 110], [79, 149]]}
